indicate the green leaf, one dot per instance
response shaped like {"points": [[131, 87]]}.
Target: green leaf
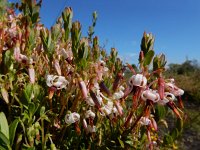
{"points": [[121, 142], [155, 63], [35, 17], [3, 148], [175, 133], [12, 130], [31, 108], [37, 91], [148, 57], [162, 60], [167, 140], [49, 40], [7, 59], [160, 112], [4, 125], [4, 141], [42, 111], [28, 92], [85, 53], [179, 125], [5, 95]]}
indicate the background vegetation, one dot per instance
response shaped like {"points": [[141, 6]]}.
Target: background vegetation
{"points": [[187, 76]]}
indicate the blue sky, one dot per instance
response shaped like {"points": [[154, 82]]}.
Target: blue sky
{"points": [[121, 23]]}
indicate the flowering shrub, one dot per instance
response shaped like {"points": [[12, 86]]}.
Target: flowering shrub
{"points": [[61, 90]]}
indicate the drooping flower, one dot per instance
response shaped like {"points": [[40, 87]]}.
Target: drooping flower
{"points": [[150, 95], [72, 118], [23, 58], [174, 89], [138, 80], [59, 82], [120, 94], [100, 69], [68, 55], [145, 121], [90, 101], [91, 129], [167, 97], [89, 114], [107, 109]]}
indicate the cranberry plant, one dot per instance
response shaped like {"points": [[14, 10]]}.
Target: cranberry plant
{"points": [[61, 90]]}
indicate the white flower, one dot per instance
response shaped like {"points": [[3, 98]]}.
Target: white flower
{"points": [[174, 89], [115, 111], [57, 81], [167, 97], [89, 101], [91, 129], [23, 58], [67, 54], [85, 124], [72, 118], [99, 98], [89, 113], [178, 92], [145, 121], [138, 80], [150, 95], [107, 109], [120, 94], [96, 86]]}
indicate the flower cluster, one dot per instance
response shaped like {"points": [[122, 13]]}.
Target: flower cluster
{"points": [[58, 84]]}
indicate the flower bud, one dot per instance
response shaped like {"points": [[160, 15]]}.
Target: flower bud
{"points": [[31, 73]]}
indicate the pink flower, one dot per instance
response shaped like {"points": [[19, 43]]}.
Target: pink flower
{"points": [[57, 67], [17, 53], [31, 73], [83, 88]]}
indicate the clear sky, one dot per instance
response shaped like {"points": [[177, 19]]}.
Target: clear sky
{"points": [[121, 23]]}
